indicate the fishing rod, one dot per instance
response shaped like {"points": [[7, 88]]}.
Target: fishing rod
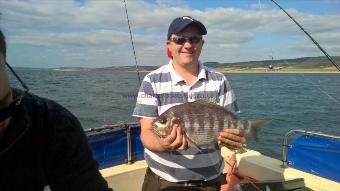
{"points": [[120, 124], [314, 41], [133, 47]]}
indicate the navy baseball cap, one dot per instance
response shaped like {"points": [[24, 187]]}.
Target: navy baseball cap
{"points": [[180, 23]]}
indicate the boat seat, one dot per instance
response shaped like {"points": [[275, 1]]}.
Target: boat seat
{"points": [[263, 168]]}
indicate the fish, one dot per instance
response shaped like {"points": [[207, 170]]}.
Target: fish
{"points": [[201, 121]]}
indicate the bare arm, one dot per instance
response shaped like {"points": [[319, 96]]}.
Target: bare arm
{"points": [[176, 140], [231, 138]]}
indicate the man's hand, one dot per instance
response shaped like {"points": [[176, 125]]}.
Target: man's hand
{"points": [[176, 140], [232, 138]]}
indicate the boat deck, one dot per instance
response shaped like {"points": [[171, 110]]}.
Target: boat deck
{"points": [[252, 163]]}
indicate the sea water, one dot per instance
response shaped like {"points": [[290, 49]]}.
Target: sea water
{"points": [[289, 100]]}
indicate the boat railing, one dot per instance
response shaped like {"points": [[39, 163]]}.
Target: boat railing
{"points": [[293, 132], [118, 126]]}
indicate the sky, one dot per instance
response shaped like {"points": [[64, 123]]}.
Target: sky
{"points": [[95, 33]]}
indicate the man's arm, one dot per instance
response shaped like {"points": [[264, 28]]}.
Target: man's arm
{"points": [[231, 138], [176, 139]]}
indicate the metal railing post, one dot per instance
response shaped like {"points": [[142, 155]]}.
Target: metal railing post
{"points": [[285, 145], [129, 153]]}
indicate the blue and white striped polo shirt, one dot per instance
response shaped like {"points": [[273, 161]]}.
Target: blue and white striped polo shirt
{"points": [[164, 88]]}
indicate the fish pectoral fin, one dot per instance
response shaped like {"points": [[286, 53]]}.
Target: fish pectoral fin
{"points": [[195, 144]]}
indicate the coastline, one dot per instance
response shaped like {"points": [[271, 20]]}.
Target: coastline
{"points": [[279, 72], [268, 71], [328, 70], [231, 71]]}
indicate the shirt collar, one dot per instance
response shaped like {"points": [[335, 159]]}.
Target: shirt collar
{"points": [[202, 72], [176, 78]]}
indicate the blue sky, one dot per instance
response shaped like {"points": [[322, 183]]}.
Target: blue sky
{"points": [[94, 33]]}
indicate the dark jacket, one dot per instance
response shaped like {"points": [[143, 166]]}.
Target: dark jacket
{"points": [[46, 145]]}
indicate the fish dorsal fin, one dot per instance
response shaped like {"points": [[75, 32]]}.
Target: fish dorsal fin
{"points": [[203, 101]]}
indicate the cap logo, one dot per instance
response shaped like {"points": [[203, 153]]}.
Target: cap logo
{"points": [[191, 19]]}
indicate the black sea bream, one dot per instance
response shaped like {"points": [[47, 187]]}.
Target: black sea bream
{"points": [[202, 121]]}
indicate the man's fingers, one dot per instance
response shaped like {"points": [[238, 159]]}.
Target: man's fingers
{"points": [[184, 145], [230, 143], [173, 135], [232, 137], [237, 132], [178, 140]]}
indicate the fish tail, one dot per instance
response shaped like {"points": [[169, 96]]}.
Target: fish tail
{"points": [[252, 127]]}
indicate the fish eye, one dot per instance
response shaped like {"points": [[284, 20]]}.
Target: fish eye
{"points": [[162, 120]]}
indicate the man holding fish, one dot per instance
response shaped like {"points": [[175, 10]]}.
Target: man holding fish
{"points": [[187, 111]]}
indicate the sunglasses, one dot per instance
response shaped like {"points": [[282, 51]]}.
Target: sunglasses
{"points": [[9, 110], [181, 39]]}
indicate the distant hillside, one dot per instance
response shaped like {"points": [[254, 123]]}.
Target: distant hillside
{"points": [[297, 62], [129, 68], [305, 62], [111, 68]]}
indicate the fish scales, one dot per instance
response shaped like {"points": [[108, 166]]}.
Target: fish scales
{"points": [[201, 121]]}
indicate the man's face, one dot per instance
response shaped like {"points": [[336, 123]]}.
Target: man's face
{"points": [[186, 52], [4, 84]]}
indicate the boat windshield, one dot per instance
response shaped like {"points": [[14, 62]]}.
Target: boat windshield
{"points": [[79, 53]]}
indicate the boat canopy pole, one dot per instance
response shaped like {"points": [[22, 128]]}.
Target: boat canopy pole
{"points": [[133, 47], [314, 41]]}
